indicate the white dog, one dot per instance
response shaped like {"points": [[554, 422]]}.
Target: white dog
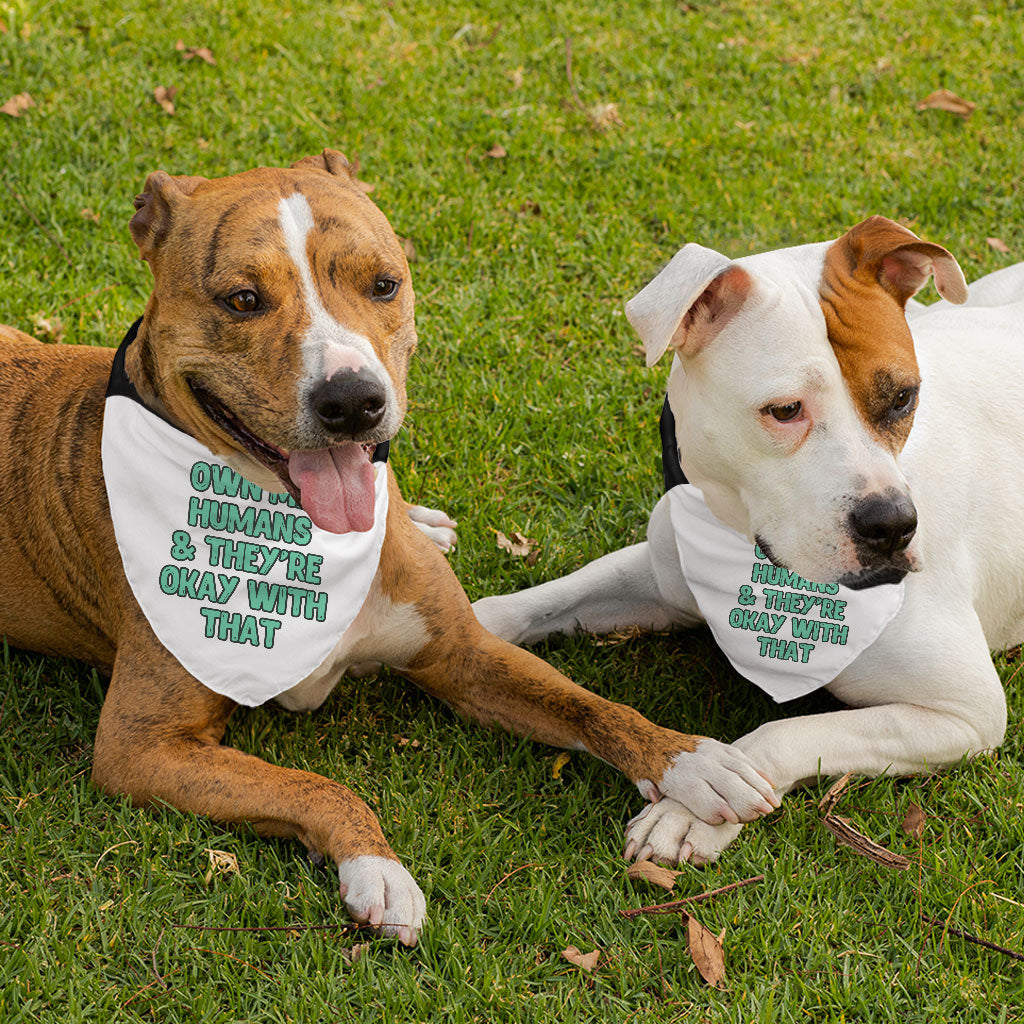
{"points": [[795, 383]]}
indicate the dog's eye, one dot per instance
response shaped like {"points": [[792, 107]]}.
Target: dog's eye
{"points": [[243, 301], [384, 288], [785, 413], [904, 400]]}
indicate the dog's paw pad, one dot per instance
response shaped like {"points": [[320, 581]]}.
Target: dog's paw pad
{"points": [[379, 892]]}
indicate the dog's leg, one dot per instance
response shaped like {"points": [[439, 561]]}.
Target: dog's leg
{"points": [[158, 741], [922, 705], [488, 679], [641, 585]]}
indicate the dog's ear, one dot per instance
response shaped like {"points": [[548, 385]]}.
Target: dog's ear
{"points": [[689, 302], [882, 250], [154, 207], [330, 160]]}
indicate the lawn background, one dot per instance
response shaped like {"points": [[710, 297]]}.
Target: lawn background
{"points": [[744, 126]]}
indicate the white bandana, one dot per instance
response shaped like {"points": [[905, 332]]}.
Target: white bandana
{"points": [[238, 584], [785, 634]]}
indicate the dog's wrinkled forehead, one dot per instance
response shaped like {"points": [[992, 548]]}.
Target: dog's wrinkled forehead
{"points": [[856, 287], [217, 223]]}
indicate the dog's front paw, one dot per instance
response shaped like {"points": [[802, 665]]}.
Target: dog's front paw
{"points": [[671, 834], [717, 782], [435, 524], [379, 892]]}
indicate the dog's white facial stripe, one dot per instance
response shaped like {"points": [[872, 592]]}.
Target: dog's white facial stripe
{"points": [[328, 345], [342, 357]]}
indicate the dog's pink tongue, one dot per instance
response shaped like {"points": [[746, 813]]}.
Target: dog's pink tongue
{"points": [[337, 486]]}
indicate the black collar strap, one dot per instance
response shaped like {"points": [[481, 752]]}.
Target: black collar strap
{"points": [[119, 384], [670, 466]]}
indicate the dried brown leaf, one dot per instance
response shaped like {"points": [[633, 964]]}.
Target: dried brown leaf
{"points": [[17, 105], [202, 52], [164, 95], [409, 249], [497, 152], [530, 207], [998, 244], [90, 214], [517, 545], [803, 57], [49, 328], [352, 954], [587, 961], [604, 116], [559, 763], [943, 99], [648, 871], [861, 844], [222, 862], [913, 822], [707, 951]]}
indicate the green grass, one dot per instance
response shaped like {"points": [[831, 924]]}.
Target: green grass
{"points": [[746, 125]]}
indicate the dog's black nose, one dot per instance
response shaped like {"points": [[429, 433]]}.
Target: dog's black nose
{"points": [[884, 523], [349, 403]]}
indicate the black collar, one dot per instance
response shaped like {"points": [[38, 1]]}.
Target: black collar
{"points": [[119, 384], [670, 467]]}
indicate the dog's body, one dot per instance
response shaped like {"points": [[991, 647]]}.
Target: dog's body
{"points": [[790, 393], [278, 336]]}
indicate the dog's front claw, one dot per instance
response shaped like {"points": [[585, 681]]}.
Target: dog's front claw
{"points": [[379, 892], [439, 527], [670, 833], [717, 782]]}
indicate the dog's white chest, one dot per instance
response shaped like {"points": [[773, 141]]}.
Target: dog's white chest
{"points": [[239, 585], [786, 634]]}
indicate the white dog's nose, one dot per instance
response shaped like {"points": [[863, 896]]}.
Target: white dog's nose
{"points": [[885, 524]]}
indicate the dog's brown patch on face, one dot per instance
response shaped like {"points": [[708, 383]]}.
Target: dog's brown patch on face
{"points": [[223, 236], [869, 333]]}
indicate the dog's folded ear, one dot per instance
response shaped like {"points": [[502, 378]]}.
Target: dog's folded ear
{"points": [[330, 160], [154, 207], [689, 302], [882, 250]]}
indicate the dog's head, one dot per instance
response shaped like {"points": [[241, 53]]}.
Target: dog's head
{"points": [[794, 390], [280, 326]]}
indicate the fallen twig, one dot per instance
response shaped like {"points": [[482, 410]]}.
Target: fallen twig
{"points": [[968, 937], [835, 791], [851, 837], [238, 960], [675, 905], [859, 843], [156, 970], [89, 295], [522, 867], [273, 928]]}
